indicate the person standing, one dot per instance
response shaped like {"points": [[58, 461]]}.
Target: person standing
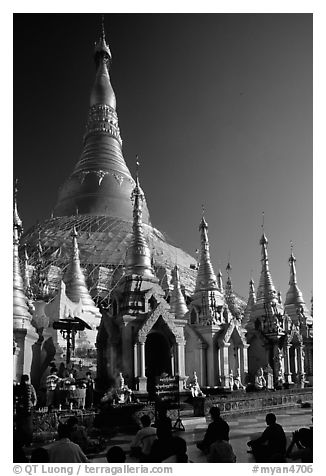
{"points": [[89, 400], [26, 400]]}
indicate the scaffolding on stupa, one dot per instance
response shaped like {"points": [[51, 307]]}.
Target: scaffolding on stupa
{"points": [[102, 242]]}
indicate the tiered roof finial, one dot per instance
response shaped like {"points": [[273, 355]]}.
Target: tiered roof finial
{"points": [[138, 259], [266, 291], [76, 288], [220, 281], [101, 46], [206, 279], [294, 295], [229, 269], [250, 303], [177, 302]]}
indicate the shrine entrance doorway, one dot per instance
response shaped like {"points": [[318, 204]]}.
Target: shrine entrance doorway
{"points": [[157, 358]]}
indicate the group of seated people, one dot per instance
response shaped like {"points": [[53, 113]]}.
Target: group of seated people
{"points": [[158, 443], [71, 446], [269, 447]]}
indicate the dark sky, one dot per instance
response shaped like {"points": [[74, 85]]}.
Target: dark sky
{"points": [[218, 107]]}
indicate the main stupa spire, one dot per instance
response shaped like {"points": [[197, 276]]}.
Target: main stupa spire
{"points": [[101, 182], [138, 259]]}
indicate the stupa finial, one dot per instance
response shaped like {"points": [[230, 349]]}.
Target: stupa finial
{"points": [[266, 290], [206, 279], [138, 259]]}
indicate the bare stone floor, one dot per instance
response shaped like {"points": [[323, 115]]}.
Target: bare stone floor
{"points": [[242, 429]]}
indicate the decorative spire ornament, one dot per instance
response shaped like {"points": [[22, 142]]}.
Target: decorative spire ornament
{"points": [[138, 259], [206, 279], [294, 295], [220, 281], [266, 291], [74, 279], [250, 303], [177, 302]]}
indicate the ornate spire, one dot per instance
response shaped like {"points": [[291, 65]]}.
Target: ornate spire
{"points": [[294, 295], [76, 288], [21, 315], [102, 50], [312, 306], [250, 303], [220, 281], [138, 259], [102, 92], [206, 279], [18, 224], [229, 293], [177, 302], [266, 291], [101, 182]]}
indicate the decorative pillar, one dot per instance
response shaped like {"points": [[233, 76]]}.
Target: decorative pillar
{"points": [[300, 362], [181, 358], [295, 365], [172, 361], [287, 367], [203, 365], [136, 359], [142, 380], [243, 363], [16, 350], [224, 364], [142, 359]]}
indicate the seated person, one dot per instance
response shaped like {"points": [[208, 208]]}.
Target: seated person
{"points": [[63, 450], [115, 454], [162, 447], [221, 451], [143, 441], [78, 433], [162, 418], [214, 431], [179, 451], [304, 441], [271, 445]]}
